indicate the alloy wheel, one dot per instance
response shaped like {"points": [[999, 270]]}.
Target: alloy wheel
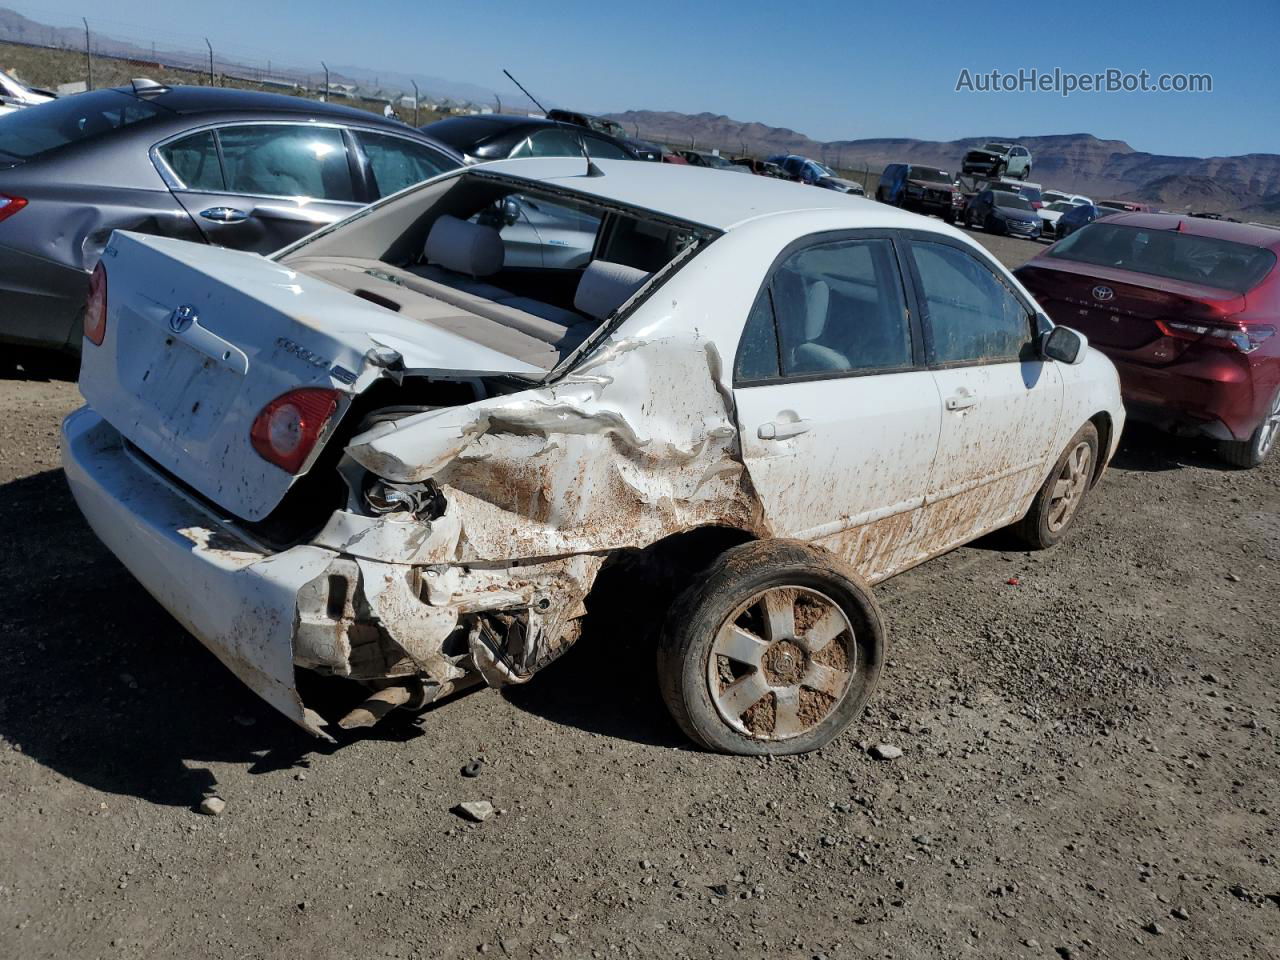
{"points": [[781, 663], [1069, 490]]}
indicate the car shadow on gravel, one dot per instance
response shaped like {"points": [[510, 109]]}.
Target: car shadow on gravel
{"points": [[607, 682], [26, 363], [1145, 449], [100, 684]]}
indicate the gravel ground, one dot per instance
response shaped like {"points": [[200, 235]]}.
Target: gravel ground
{"points": [[1089, 767]]}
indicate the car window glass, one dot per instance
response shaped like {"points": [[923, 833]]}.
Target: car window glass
{"points": [[840, 309], [31, 133], [194, 161], [1170, 255], [397, 163], [287, 161], [758, 351], [605, 150], [551, 142], [972, 315]]}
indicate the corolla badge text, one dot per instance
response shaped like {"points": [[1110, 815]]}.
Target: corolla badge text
{"points": [[339, 373]]}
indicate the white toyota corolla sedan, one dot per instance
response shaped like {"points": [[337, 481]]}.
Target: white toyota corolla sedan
{"points": [[384, 454]]}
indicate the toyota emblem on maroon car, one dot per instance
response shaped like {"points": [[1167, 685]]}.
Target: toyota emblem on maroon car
{"points": [[1103, 293]]}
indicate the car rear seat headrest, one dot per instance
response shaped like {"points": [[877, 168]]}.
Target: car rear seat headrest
{"points": [[605, 287], [464, 247]]}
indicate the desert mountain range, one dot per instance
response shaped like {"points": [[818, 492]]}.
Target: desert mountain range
{"points": [[1079, 162]]}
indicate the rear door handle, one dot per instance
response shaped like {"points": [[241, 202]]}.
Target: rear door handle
{"points": [[224, 215], [782, 431], [961, 401]]}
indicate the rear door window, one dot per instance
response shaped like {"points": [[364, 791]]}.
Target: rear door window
{"points": [[396, 163], [194, 161], [282, 160], [832, 308]]}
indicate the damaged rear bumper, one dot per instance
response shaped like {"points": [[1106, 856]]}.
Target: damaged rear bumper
{"points": [[238, 600], [428, 629]]}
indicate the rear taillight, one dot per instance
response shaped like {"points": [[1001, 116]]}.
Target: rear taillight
{"points": [[286, 430], [10, 205], [95, 306], [1246, 338]]}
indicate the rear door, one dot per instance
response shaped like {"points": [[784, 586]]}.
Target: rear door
{"points": [[260, 186], [838, 413], [1001, 400]]}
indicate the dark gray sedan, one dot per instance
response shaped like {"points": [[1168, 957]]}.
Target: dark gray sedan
{"points": [[253, 171]]}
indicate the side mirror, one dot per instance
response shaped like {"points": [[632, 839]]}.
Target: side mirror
{"points": [[510, 210], [1064, 345]]}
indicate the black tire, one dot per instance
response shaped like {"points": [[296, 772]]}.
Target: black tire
{"points": [[741, 587], [1247, 454], [1045, 524]]}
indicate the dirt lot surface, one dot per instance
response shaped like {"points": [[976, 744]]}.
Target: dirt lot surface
{"points": [[1090, 766]]}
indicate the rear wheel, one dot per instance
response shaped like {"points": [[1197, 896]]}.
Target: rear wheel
{"points": [[1059, 499], [1250, 453], [774, 650]]}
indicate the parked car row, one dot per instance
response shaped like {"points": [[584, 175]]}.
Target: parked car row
{"points": [[384, 404]]}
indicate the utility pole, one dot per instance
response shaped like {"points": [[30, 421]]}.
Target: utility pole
{"points": [[88, 57], [415, 102], [210, 46], [325, 98]]}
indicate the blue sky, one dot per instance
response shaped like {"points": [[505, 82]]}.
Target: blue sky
{"points": [[831, 71]]}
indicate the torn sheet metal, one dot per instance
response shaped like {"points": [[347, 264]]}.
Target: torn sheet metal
{"points": [[638, 443]]}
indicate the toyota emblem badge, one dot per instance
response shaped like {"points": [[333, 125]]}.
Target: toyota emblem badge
{"points": [[182, 318]]}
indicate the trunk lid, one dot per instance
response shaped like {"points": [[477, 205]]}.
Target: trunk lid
{"points": [[1124, 323], [199, 339]]}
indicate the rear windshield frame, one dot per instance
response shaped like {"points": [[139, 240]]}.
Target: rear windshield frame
{"points": [[46, 117], [1262, 259]]}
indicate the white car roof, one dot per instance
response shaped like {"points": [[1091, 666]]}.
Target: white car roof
{"points": [[713, 198]]}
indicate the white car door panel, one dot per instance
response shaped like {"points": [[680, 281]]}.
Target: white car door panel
{"points": [[1001, 401], [839, 422]]}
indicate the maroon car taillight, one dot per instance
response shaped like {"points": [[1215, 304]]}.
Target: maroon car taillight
{"points": [[95, 306], [286, 430], [1246, 337], [10, 205]]}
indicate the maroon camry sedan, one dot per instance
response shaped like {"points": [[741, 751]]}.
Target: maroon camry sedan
{"points": [[1187, 309]]}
